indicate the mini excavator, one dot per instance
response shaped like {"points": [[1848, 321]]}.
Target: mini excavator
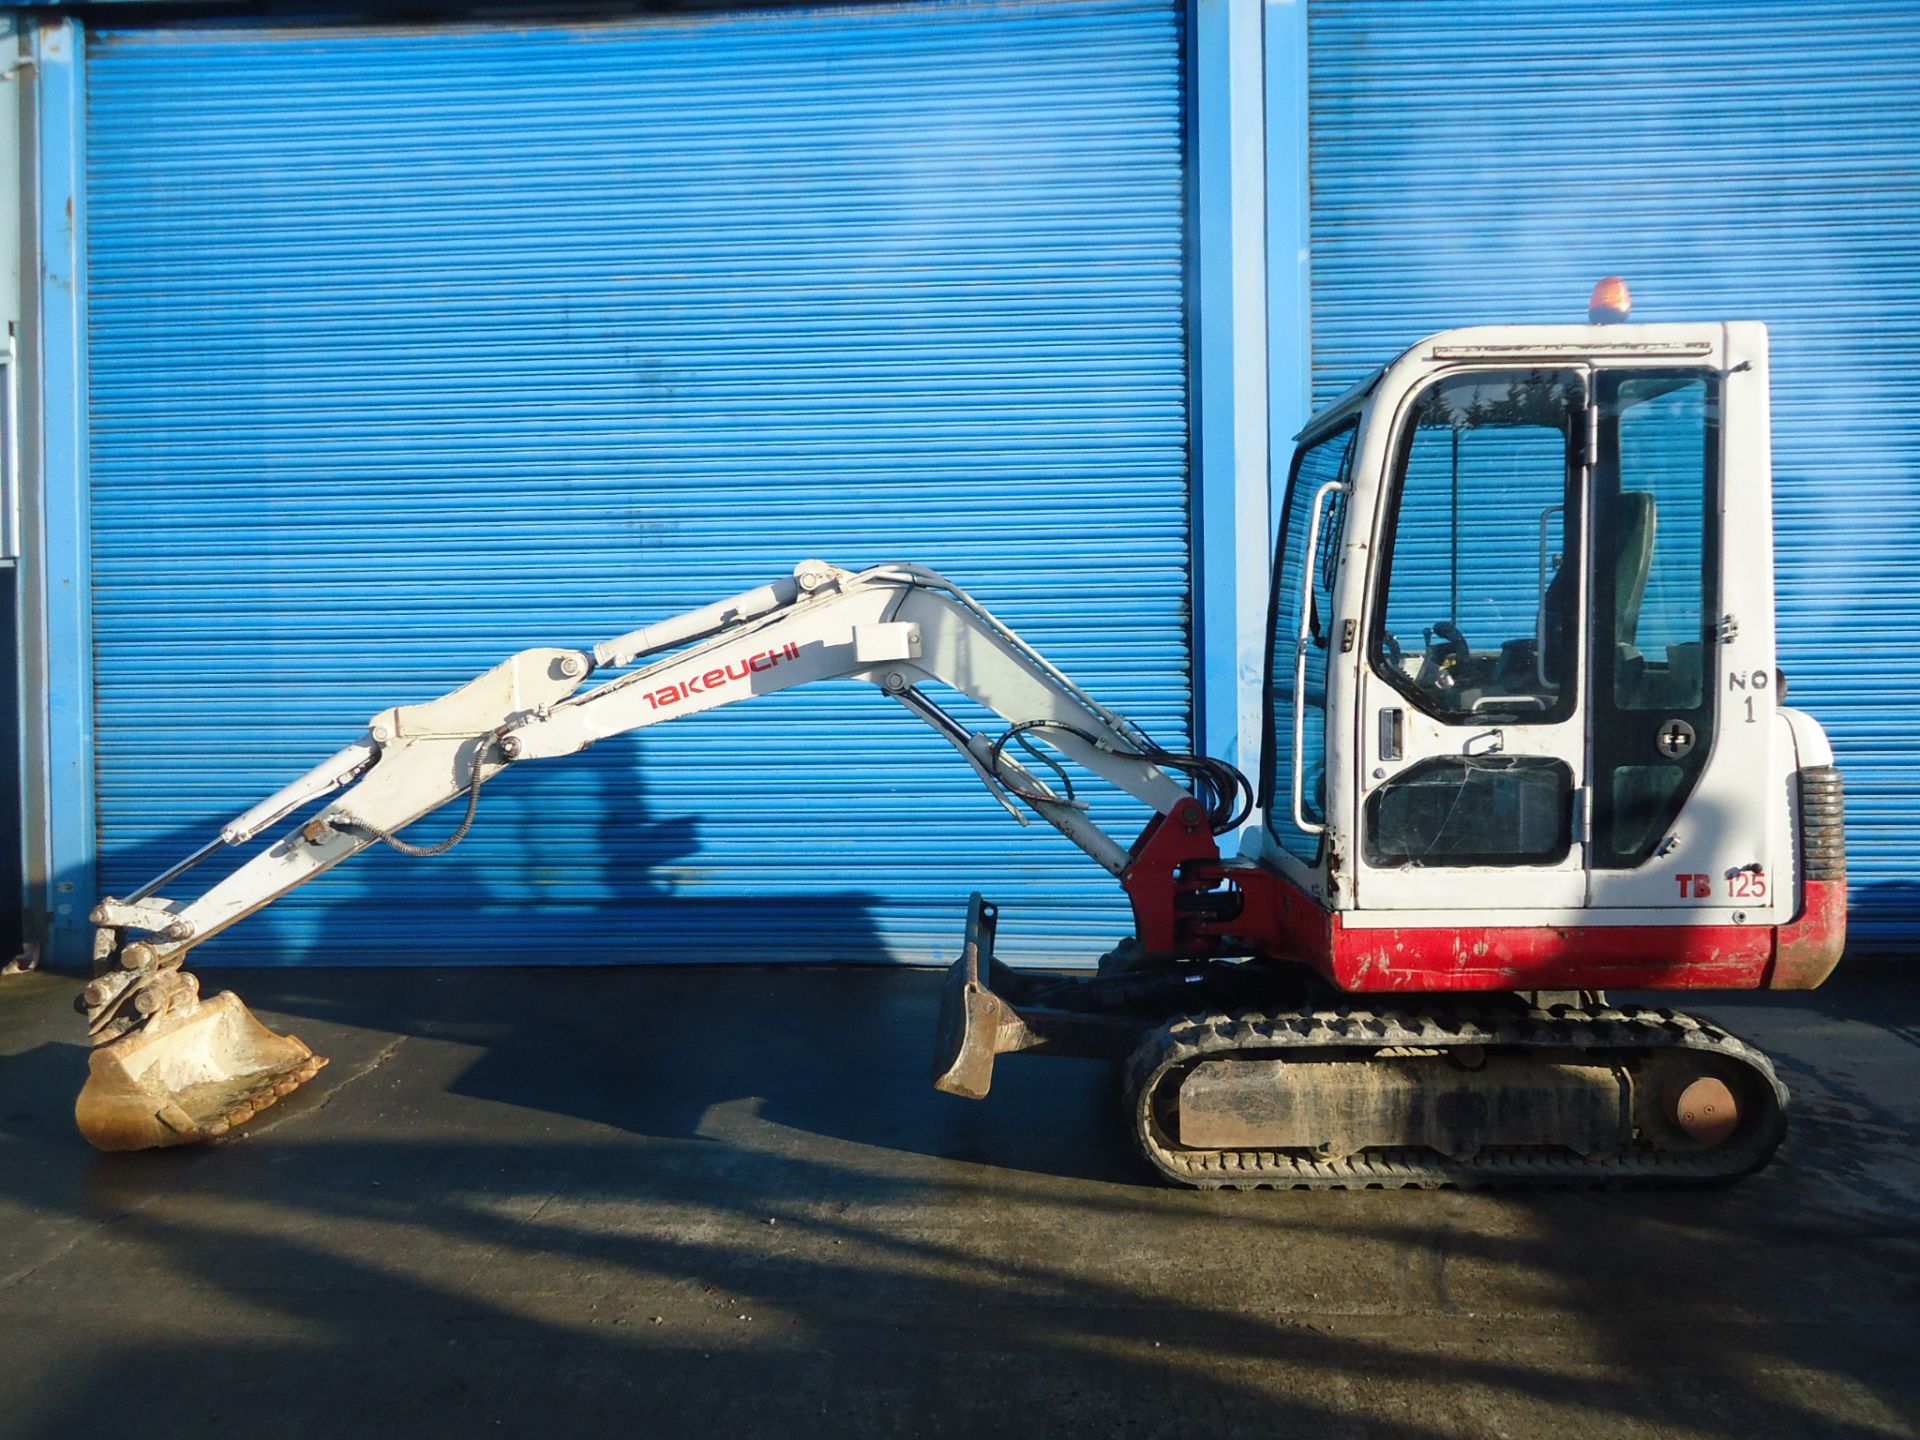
{"points": [[1525, 743]]}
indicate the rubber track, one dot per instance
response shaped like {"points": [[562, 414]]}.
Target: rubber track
{"points": [[1568, 1033]]}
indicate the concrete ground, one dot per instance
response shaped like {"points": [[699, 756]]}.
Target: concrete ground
{"points": [[662, 1202]]}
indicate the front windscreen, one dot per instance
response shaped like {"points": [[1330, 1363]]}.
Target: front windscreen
{"points": [[1478, 613]]}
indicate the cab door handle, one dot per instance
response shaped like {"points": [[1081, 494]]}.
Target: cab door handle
{"points": [[1392, 732]]}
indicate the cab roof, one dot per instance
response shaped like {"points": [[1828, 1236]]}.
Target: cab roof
{"points": [[1534, 343]]}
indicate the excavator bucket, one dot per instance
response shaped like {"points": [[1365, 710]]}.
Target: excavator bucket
{"points": [[191, 1073]]}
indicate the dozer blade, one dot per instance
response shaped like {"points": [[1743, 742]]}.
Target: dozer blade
{"points": [[975, 1024], [967, 1040], [191, 1073]]}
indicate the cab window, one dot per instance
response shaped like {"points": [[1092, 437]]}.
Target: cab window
{"points": [[1477, 618], [1328, 458], [1655, 596]]}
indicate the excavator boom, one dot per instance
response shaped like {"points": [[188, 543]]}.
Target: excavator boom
{"points": [[170, 1068]]}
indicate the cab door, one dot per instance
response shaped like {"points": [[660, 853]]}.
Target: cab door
{"points": [[1471, 786]]}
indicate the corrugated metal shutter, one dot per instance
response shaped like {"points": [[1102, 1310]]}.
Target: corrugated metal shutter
{"points": [[412, 348], [1487, 160]]}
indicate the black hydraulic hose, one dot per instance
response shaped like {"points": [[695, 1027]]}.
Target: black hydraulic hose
{"points": [[350, 826], [1226, 794]]}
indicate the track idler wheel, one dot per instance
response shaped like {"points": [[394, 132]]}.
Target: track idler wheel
{"points": [[1705, 1110]]}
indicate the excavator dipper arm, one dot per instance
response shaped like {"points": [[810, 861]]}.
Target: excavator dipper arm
{"points": [[169, 1068]]}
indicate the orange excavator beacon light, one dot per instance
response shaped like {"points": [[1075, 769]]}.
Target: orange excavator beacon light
{"points": [[1610, 303]]}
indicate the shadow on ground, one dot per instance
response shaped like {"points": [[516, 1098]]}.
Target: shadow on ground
{"points": [[671, 1202]]}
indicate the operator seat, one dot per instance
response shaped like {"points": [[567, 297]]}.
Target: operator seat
{"points": [[1635, 520]]}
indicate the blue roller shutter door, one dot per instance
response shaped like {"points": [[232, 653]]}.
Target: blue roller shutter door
{"points": [[1489, 160], [412, 348]]}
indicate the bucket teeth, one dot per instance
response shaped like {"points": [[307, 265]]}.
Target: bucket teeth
{"points": [[194, 1073], [267, 1093]]}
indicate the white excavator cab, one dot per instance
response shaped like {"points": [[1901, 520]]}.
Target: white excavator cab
{"points": [[1523, 671]]}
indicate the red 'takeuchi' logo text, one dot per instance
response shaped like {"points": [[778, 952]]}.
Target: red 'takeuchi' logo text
{"points": [[714, 679]]}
